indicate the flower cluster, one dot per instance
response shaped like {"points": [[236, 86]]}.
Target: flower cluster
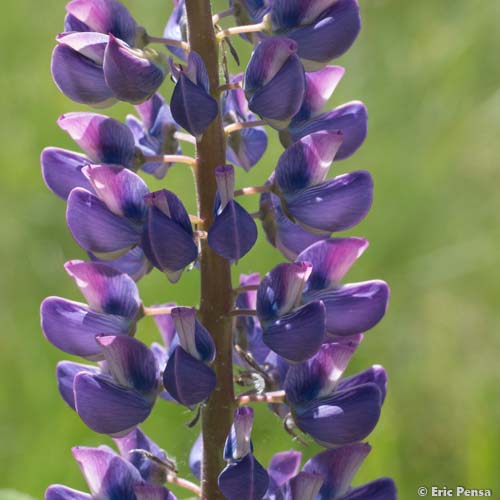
{"points": [[293, 332]]}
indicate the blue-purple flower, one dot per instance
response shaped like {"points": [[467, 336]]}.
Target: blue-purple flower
{"points": [[113, 308]]}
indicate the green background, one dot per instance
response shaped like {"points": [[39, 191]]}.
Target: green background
{"points": [[430, 75]]}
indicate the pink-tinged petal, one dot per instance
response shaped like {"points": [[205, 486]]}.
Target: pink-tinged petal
{"points": [[307, 162], [79, 78], [151, 471], [108, 408], [60, 492], [337, 468], [65, 373], [88, 44], [72, 326], [62, 171], [244, 480], [103, 139], [104, 16], [319, 376], [350, 119], [238, 442], [71, 23], [331, 260], [120, 189], [304, 486], [98, 230], [132, 75], [298, 335], [380, 489], [106, 289], [376, 374], [153, 492], [107, 475], [343, 418], [335, 205], [282, 468], [233, 233], [188, 380], [193, 336], [130, 363], [281, 289], [353, 308]]}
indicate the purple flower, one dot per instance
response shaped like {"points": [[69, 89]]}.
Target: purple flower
{"points": [[323, 29], [233, 233], [99, 58], [293, 331], [243, 478], [244, 147], [193, 108], [274, 81], [187, 377], [113, 307], [351, 308], [176, 28], [168, 238], [108, 476], [330, 414], [154, 133]]}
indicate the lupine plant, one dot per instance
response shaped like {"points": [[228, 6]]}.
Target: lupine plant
{"points": [[283, 340]]}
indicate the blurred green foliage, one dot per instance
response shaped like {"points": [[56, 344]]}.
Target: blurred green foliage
{"points": [[430, 75]]}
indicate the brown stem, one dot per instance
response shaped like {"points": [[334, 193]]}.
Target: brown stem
{"points": [[243, 312], [216, 290]]}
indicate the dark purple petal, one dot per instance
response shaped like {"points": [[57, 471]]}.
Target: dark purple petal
{"points": [[244, 480], [319, 88], [188, 380], [193, 108], [280, 98], [287, 14], [167, 243], [71, 23], [335, 205], [137, 440], [289, 238], [331, 35], [298, 335], [281, 289], [380, 489], [153, 492], [233, 233], [103, 139], [130, 363], [246, 147], [375, 374], [108, 408], [171, 206], [318, 376], [72, 326], [350, 119], [282, 468], [343, 418], [59, 492], [120, 189], [96, 229], [331, 259], [194, 338], [132, 76], [105, 16], [62, 171], [89, 44], [307, 162], [79, 78], [106, 289], [66, 372], [337, 468], [304, 486], [354, 308], [238, 443], [196, 456], [134, 263], [107, 474]]}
